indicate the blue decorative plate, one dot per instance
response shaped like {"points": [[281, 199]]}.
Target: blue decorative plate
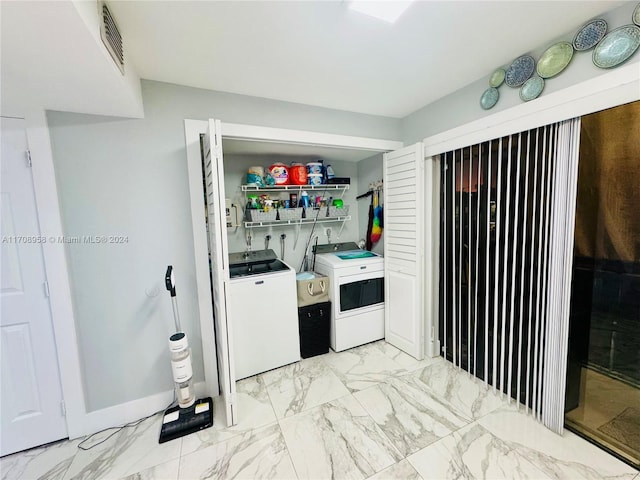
{"points": [[636, 15], [489, 98], [617, 46], [532, 88], [497, 78], [589, 35], [520, 70], [555, 59]]}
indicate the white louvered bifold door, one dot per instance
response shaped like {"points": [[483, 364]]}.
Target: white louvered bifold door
{"points": [[219, 261], [404, 195], [508, 212]]}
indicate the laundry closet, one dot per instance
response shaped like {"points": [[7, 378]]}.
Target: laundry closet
{"points": [[253, 258], [246, 235], [272, 225]]}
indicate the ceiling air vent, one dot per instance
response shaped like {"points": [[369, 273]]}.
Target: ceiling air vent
{"points": [[111, 36]]}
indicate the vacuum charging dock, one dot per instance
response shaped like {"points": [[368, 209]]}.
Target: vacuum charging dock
{"points": [[178, 422]]}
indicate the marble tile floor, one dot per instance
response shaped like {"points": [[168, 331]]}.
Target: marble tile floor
{"points": [[369, 412]]}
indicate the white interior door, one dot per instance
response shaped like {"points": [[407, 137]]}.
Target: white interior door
{"points": [[404, 248], [32, 408], [219, 261]]}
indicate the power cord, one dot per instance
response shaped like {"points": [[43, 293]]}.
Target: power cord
{"points": [[135, 423], [313, 227]]}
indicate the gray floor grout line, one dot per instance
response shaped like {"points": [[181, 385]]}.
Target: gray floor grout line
{"points": [[431, 392], [379, 428], [286, 444], [266, 389], [180, 457]]}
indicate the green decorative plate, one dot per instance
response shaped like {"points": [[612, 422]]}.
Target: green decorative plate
{"points": [[555, 59], [489, 98], [636, 15], [617, 46], [531, 89], [497, 78]]}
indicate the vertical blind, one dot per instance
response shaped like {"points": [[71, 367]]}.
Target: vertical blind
{"points": [[508, 212]]}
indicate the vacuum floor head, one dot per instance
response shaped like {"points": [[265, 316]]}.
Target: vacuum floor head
{"points": [[178, 422]]}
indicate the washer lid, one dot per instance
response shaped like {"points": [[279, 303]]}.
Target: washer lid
{"points": [[252, 258], [273, 266]]}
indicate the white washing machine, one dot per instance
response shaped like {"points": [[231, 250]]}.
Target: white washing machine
{"points": [[263, 312], [356, 279]]}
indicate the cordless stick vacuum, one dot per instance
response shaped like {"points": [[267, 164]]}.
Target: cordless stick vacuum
{"points": [[190, 415]]}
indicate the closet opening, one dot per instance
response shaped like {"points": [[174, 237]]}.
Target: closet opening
{"points": [[494, 253], [507, 209]]}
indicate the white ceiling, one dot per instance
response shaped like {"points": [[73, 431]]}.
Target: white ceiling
{"points": [[313, 52], [52, 59], [321, 53]]}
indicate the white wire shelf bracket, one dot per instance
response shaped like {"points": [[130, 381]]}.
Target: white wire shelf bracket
{"points": [[301, 221], [295, 188]]}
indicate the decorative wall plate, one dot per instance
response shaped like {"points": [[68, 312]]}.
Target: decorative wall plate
{"points": [[489, 98], [520, 70], [497, 78], [636, 15], [555, 59], [531, 89], [617, 46], [589, 35]]}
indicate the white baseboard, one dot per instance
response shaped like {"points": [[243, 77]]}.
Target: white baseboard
{"points": [[128, 412], [435, 350]]}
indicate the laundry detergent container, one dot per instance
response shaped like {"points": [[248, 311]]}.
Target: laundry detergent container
{"points": [[298, 174], [314, 168], [280, 173]]}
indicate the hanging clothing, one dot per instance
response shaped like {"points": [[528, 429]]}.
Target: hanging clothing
{"points": [[376, 231], [369, 242]]}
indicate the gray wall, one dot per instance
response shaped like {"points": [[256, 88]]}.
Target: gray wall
{"points": [[369, 171], [129, 177], [463, 106]]}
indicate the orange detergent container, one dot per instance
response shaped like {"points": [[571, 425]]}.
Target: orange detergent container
{"points": [[298, 174]]}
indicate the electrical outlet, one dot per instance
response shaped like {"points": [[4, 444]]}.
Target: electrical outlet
{"points": [[228, 206]]}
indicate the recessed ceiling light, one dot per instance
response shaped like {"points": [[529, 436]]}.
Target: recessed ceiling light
{"points": [[387, 10]]}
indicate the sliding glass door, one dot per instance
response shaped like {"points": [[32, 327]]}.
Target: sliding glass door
{"points": [[603, 376]]}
